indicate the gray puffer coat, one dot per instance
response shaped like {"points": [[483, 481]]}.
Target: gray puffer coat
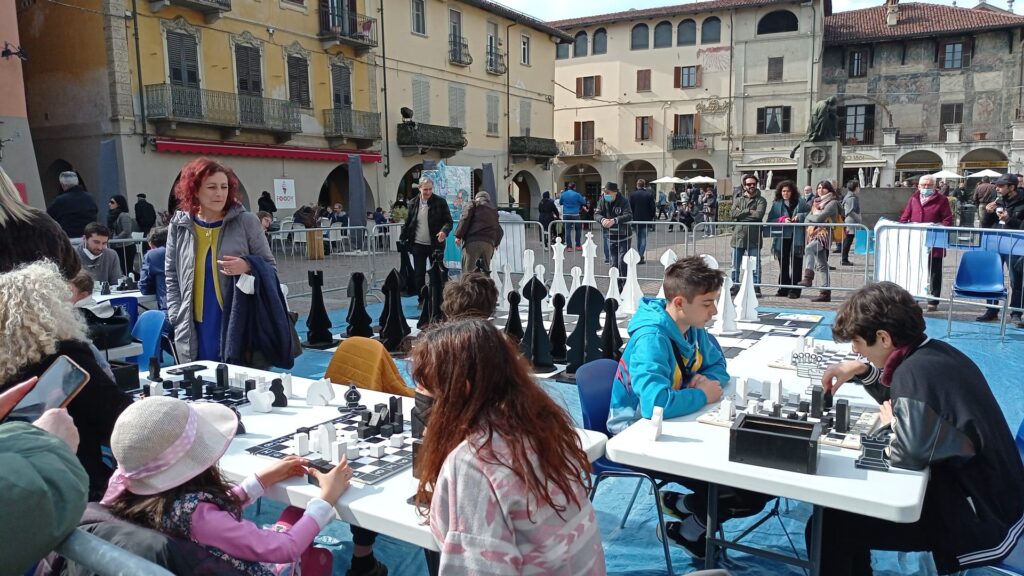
{"points": [[241, 235]]}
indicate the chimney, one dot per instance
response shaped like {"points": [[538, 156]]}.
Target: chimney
{"points": [[892, 12]]}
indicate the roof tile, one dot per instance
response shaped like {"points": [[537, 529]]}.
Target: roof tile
{"points": [[915, 20]]}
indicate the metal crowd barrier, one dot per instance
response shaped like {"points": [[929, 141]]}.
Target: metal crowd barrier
{"points": [[129, 250], [520, 236], [337, 250], [105, 559], [384, 253]]}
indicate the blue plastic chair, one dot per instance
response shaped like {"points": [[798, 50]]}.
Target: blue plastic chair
{"points": [[594, 384], [1014, 563], [979, 276], [148, 330]]}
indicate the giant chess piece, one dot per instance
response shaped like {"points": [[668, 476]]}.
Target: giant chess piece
{"points": [[506, 288], [406, 270], [359, 321], [528, 260], [667, 259], [496, 278], [611, 339], [631, 292], [539, 275], [584, 343], [589, 256], [437, 277], [557, 333], [514, 325], [725, 321], [394, 327], [536, 345], [613, 285], [576, 273], [427, 311], [746, 298], [318, 324], [558, 278]]}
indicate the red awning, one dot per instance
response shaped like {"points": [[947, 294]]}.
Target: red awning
{"points": [[202, 148]]}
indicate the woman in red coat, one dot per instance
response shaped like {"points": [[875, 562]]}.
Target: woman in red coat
{"points": [[928, 206]]}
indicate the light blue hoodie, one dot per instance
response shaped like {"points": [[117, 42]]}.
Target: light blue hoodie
{"points": [[649, 374]]}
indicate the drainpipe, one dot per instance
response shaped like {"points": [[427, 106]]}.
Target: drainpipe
{"points": [[665, 140], [728, 112], [508, 105], [387, 125], [814, 57], [142, 90]]}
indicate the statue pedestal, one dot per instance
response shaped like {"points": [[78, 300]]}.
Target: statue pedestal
{"points": [[823, 161]]}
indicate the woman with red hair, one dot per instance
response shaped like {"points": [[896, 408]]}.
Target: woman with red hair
{"points": [[207, 241], [503, 471]]}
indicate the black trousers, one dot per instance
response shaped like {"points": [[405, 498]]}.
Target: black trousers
{"points": [[732, 502], [847, 243], [420, 259], [790, 264], [935, 272], [847, 541], [362, 536]]}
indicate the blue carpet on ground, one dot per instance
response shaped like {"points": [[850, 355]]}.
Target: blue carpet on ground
{"points": [[635, 549]]}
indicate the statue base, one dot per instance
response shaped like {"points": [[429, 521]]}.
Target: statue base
{"points": [[822, 161]]}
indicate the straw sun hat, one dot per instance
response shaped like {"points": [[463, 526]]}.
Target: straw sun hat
{"points": [[161, 443]]}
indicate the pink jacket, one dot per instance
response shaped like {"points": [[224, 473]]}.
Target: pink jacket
{"points": [[934, 210]]}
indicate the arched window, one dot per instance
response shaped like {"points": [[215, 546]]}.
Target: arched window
{"points": [[686, 35], [561, 52], [640, 37], [778, 21], [600, 42], [579, 45], [663, 35], [711, 31]]}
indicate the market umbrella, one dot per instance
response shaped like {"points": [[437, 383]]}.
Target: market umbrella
{"points": [[702, 180], [985, 172], [668, 180], [947, 175]]}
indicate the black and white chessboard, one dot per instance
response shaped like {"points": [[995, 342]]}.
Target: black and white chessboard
{"points": [[812, 365], [367, 468]]}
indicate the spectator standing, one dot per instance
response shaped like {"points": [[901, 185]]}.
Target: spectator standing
{"points": [[709, 209], [750, 206], [145, 214], [478, 233], [121, 225], [28, 234], [426, 229], [99, 261], [809, 195], [1006, 212], [572, 202], [265, 203], [641, 203], [548, 213], [662, 205], [614, 215], [851, 212], [927, 206], [824, 209], [152, 279], [378, 217], [984, 193], [788, 241], [74, 207]]}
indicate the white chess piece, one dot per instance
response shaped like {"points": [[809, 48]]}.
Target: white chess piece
{"points": [[338, 450], [726, 410], [301, 444], [506, 288], [353, 452], [260, 401], [710, 261], [775, 393], [631, 292], [558, 279], [286, 384], [725, 321], [589, 256], [667, 259], [545, 304], [528, 260], [325, 435], [741, 390], [746, 299], [538, 273], [575, 273], [320, 393], [657, 416], [613, 285], [496, 278]]}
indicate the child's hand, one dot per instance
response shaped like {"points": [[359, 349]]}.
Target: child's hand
{"points": [[334, 483], [290, 467]]}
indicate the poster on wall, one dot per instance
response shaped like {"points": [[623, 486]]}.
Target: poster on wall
{"points": [[453, 183], [284, 193]]}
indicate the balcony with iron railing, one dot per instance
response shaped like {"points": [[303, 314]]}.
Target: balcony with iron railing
{"points": [[686, 142], [339, 26], [863, 137], [362, 127], [496, 60], [579, 148], [168, 104], [417, 137], [211, 9], [532, 147], [458, 50]]}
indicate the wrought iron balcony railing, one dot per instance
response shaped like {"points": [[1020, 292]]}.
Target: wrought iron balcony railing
{"points": [[496, 60], [686, 142], [354, 124], [168, 103], [532, 147], [346, 26], [458, 50], [211, 8], [416, 135], [578, 148]]}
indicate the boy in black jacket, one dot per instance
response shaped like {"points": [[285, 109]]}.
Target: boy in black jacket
{"points": [[943, 417]]}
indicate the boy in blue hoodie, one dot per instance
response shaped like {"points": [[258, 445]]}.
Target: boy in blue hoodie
{"points": [[671, 361]]}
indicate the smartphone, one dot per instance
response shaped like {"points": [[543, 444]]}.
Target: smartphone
{"points": [[56, 388], [180, 370]]}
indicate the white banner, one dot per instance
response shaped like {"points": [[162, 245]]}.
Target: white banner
{"points": [[284, 193]]}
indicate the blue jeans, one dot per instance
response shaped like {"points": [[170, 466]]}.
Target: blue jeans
{"points": [[641, 241], [618, 249], [570, 229], [604, 238], [737, 262]]}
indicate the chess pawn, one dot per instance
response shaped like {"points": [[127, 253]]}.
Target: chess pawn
{"points": [[613, 285], [667, 259], [261, 401], [506, 288], [631, 292], [528, 260], [575, 273]]}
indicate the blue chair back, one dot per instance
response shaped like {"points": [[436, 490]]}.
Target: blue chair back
{"points": [[130, 307], [594, 385], [148, 330], [715, 342], [1020, 440], [980, 274]]}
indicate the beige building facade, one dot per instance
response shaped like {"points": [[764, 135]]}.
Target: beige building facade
{"points": [[17, 156]]}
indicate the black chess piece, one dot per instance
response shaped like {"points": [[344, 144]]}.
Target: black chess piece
{"points": [[536, 345], [318, 324], [514, 325], [584, 344], [240, 429], [222, 376], [393, 327], [437, 277], [154, 369], [104, 288], [408, 282], [611, 339], [359, 321], [427, 311], [277, 387], [817, 401], [557, 333]]}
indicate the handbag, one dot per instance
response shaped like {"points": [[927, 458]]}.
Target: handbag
{"points": [[108, 332]]}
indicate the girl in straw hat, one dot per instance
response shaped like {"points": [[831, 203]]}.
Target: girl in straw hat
{"points": [[167, 479]]}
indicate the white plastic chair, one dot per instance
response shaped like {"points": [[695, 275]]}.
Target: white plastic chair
{"points": [[338, 238], [376, 235], [298, 237], [281, 237], [325, 222]]}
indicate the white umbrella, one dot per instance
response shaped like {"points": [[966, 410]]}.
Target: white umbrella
{"points": [[946, 174], [985, 172], [875, 176], [768, 181], [860, 176], [668, 180], [702, 180]]}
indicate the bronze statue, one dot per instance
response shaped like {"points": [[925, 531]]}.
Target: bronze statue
{"points": [[824, 125]]}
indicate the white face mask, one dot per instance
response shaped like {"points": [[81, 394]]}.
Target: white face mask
{"points": [[89, 253], [926, 192]]}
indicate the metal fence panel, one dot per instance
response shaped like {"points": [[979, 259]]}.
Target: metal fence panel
{"points": [[338, 251]]}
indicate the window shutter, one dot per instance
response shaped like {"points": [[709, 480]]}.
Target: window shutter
{"points": [[493, 103], [869, 124], [696, 126], [579, 87], [298, 80], [190, 60], [844, 56], [638, 123], [841, 112], [597, 86], [760, 120], [677, 77], [457, 106], [643, 80], [242, 68], [176, 73], [965, 57], [577, 129], [675, 124], [421, 99], [700, 70], [525, 112], [341, 85], [785, 119]]}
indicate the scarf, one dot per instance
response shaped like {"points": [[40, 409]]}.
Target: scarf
{"points": [[897, 357], [820, 201]]}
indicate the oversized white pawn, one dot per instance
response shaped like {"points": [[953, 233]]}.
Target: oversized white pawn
{"points": [[545, 304], [667, 259], [496, 277], [613, 285], [558, 281], [576, 274], [506, 288], [710, 261], [746, 300], [528, 259], [589, 256], [631, 292], [725, 321]]}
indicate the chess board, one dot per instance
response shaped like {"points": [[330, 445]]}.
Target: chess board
{"points": [[863, 418], [367, 469], [231, 397], [812, 365]]}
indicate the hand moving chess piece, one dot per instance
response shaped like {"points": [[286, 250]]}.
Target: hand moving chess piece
{"points": [[358, 319], [557, 333], [536, 346], [261, 401], [611, 339]]}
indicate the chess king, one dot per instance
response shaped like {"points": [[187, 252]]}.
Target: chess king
{"points": [[944, 418]]}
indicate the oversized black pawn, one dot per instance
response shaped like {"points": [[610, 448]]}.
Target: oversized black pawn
{"points": [[393, 328], [427, 311], [408, 284], [437, 277], [514, 326], [277, 387], [557, 334], [584, 343], [611, 339], [359, 321], [318, 324], [536, 345]]}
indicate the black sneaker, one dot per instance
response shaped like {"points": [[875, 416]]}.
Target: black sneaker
{"points": [[989, 316], [847, 263], [694, 548], [376, 569]]}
